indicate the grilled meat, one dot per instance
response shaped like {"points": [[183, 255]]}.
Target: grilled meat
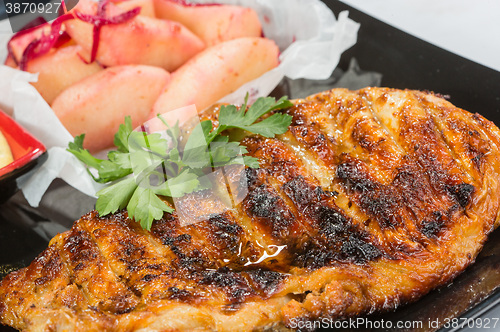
{"points": [[369, 201]]}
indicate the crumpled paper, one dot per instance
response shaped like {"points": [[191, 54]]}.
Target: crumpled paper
{"points": [[310, 38]]}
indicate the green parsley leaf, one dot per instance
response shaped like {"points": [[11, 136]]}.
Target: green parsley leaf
{"points": [[195, 151], [182, 184], [175, 156], [173, 132], [147, 151], [147, 168], [276, 124], [108, 171], [222, 153], [251, 162], [282, 103], [116, 196], [76, 148], [258, 109], [121, 137], [121, 159], [145, 206], [147, 142]]}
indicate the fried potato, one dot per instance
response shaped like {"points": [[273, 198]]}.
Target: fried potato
{"points": [[98, 104], [212, 23], [216, 72], [60, 69]]}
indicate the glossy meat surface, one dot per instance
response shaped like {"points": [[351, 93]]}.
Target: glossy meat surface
{"points": [[370, 200]]}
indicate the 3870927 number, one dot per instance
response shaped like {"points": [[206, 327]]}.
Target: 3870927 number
{"points": [[32, 8], [476, 323]]}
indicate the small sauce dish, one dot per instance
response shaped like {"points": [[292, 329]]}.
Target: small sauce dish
{"points": [[28, 154]]}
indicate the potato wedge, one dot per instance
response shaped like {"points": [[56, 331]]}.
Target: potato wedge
{"points": [[98, 104], [216, 72], [212, 23], [60, 69], [142, 40]]}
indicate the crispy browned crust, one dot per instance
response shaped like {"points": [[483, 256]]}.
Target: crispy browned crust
{"points": [[374, 198]]}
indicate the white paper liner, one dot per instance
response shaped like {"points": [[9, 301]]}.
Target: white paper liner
{"points": [[309, 36]]}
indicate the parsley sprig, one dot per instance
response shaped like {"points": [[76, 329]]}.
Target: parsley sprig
{"points": [[146, 170]]}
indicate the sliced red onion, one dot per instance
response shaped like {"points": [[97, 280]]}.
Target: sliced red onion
{"points": [[99, 20], [64, 37], [45, 43], [28, 54], [17, 35], [56, 37]]}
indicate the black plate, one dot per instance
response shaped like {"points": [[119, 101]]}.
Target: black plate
{"points": [[404, 62]]}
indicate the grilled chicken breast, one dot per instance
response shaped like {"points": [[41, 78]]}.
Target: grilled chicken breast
{"points": [[369, 201]]}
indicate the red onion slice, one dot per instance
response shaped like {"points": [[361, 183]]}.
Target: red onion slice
{"points": [[18, 35], [44, 44], [99, 20]]}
